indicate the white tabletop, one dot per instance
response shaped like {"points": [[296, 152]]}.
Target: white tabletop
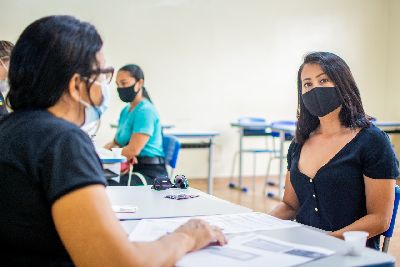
{"points": [[251, 124], [191, 133], [153, 204], [387, 124]]}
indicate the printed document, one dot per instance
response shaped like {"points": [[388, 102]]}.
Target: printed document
{"points": [[254, 250], [152, 229]]}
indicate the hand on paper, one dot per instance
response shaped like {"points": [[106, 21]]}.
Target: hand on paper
{"points": [[202, 233]]}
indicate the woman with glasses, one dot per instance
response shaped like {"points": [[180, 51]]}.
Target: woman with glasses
{"points": [[139, 129], [341, 168], [5, 52], [54, 208]]}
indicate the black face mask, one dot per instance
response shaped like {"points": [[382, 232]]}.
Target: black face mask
{"points": [[127, 94], [321, 101]]}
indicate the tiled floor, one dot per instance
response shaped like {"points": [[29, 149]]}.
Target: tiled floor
{"points": [[258, 202]]}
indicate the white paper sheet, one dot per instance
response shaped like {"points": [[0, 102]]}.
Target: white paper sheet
{"points": [[124, 208], [254, 250], [152, 229], [104, 153]]}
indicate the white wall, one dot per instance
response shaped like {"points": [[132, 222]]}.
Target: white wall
{"points": [[208, 62], [393, 96], [394, 56]]}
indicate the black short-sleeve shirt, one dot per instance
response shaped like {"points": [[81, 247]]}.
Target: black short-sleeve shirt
{"points": [[335, 197], [42, 158]]}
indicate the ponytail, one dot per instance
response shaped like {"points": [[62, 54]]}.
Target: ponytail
{"points": [[146, 94]]}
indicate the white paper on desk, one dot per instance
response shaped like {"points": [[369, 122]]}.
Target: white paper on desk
{"points": [[152, 229], [124, 208], [104, 153], [254, 250]]}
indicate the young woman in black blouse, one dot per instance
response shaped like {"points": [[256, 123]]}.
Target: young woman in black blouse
{"points": [[54, 208], [341, 168]]}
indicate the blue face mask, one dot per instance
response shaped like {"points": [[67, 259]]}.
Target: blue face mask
{"points": [[93, 113]]}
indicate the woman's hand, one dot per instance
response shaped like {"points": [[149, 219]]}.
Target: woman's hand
{"points": [[75, 212], [201, 234], [110, 145]]}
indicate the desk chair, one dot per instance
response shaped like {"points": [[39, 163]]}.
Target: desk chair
{"points": [[389, 232], [171, 147], [252, 131], [276, 155]]}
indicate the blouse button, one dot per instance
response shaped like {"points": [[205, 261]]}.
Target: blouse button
{"points": [[310, 180], [313, 195], [316, 209]]}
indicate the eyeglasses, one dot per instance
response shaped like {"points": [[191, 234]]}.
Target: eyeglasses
{"points": [[2, 62], [101, 75]]}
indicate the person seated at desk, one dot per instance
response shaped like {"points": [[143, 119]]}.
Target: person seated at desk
{"points": [[54, 207], [5, 52], [341, 168], [139, 128]]}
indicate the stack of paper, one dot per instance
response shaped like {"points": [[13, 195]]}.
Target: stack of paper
{"points": [[152, 229]]}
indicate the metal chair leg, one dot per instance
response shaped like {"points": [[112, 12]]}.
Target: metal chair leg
{"points": [[385, 246], [140, 176], [268, 172], [254, 171], [233, 165], [130, 174]]}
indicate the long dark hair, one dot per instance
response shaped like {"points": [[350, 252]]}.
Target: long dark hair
{"points": [[46, 56], [136, 72], [352, 114]]}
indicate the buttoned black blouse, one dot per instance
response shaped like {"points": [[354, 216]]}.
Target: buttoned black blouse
{"points": [[335, 197]]}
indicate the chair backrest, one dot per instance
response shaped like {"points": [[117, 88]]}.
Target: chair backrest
{"points": [[253, 131], [389, 232], [288, 136], [171, 146]]}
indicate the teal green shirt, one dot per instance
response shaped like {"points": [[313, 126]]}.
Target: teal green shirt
{"points": [[142, 119]]}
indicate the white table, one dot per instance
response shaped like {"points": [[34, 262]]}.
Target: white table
{"points": [[163, 126], [390, 127], [209, 137], [152, 204]]}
